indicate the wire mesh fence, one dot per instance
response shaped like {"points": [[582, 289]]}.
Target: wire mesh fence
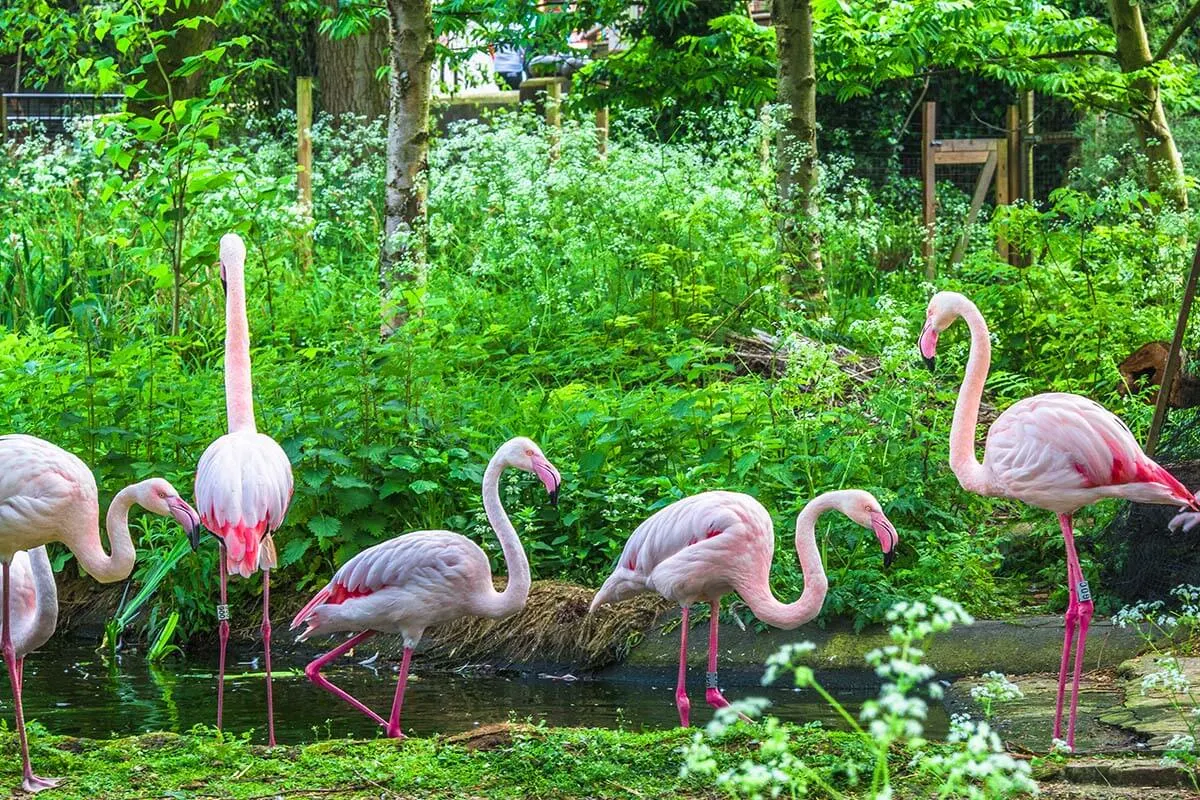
{"points": [[50, 113]]}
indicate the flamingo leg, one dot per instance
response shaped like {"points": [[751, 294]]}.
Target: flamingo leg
{"points": [[313, 671], [1071, 619], [30, 783], [266, 634], [1084, 607], [681, 699], [222, 634], [393, 726], [712, 694]]}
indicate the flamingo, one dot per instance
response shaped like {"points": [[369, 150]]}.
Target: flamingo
{"points": [[415, 580], [1055, 451], [708, 545], [48, 495], [33, 612], [244, 479]]}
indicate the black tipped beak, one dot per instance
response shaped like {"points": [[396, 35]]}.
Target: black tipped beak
{"points": [[225, 286], [930, 361], [889, 557], [194, 538], [554, 496]]}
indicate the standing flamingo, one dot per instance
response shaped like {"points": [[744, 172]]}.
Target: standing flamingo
{"points": [[48, 495], [1054, 451], [244, 479], [706, 546], [33, 612], [424, 578]]}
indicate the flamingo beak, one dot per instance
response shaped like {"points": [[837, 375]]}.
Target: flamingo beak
{"points": [[187, 517], [885, 532], [927, 344], [548, 475]]}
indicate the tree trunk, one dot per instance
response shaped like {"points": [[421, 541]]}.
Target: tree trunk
{"points": [[402, 256], [346, 70], [1165, 174], [796, 159], [160, 88]]}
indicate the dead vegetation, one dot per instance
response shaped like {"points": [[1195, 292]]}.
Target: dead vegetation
{"points": [[553, 627]]}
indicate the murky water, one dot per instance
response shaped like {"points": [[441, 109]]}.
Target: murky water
{"points": [[72, 691]]}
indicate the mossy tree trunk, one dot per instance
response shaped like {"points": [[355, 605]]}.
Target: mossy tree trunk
{"points": [[1166, 174], [402, 255], [796, 152], [346, 70]]}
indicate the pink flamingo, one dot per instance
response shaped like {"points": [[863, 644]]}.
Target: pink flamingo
{"points": [[48, 495], [33, 612], [706, 546], [424, 578], [1054, 451], [244, 479]]}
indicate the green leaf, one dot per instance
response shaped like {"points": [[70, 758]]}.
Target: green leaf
{"points": [[324, 527], [422, 486]]}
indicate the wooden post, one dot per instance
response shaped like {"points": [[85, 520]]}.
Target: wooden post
{"points": [[1003, 198], [554, 115], [981, 189], [3, 118], [1172, 365], [304, 160], [1027, 149], [928, 185], [1013, 129], [602, 131]]}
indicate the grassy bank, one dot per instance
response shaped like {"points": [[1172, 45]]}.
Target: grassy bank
{"points": [[497, 762]]}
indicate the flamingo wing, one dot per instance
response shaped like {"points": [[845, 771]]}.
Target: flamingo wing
{"points": [[439, 562], [32, 600], [672, 529], [39, 483], [1058, 443], [243, 489]]}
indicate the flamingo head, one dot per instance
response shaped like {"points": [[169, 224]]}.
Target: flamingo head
{"points": [[159, 497], [938, 316], [524, 454], [863, 508]]}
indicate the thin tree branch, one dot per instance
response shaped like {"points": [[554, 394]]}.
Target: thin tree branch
{"points": [[1188, 20]]}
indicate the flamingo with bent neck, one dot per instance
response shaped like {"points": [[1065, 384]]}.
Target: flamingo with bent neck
{"points": [[425, 578], [706, 546], [1055, 451], [244, 479], [48, 495]]}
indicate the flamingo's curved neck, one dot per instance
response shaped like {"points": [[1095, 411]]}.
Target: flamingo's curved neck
{"points": [[792, 615], [108, 568], [45, 616], [513, 598], [239, 399], [970, 473]]}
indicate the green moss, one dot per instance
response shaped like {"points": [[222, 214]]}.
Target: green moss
{"points": [[503, 761]]}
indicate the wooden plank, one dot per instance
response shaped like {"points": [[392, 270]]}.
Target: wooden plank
{"points": [[981, 189], [3, 118], [602, 131], [928, 185], [965, 145], [963, 157], [1027, 150], [1003, 197]]}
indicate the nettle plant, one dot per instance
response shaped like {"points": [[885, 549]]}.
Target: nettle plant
{"points": [[167, 134], [1161, 628], [970, 764]]}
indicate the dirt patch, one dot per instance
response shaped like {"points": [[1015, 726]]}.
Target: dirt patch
{"points": [[492, 737]]}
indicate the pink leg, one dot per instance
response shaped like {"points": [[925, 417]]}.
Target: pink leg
{"points": [[1083, 597], [393, 726], [1071, 621], [31, 783], [222, 634], [266, 634], [313, 671], [712, 694], [681, 699]]}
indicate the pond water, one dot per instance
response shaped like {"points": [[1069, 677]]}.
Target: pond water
{"points": [[71, 690]]}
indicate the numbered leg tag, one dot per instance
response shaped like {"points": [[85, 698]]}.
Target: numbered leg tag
{"points": [[222, 613], [1085, 592], [710, 680]]}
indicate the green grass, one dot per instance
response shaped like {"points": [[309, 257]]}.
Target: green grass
{"points": [[519, 762]]}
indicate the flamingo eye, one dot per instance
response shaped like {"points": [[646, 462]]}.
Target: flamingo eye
{"points": [[529, 453]]}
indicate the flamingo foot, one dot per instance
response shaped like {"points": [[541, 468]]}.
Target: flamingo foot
{"points": [[33, 784], [714, 698], [394, 732], [685, 708]]}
